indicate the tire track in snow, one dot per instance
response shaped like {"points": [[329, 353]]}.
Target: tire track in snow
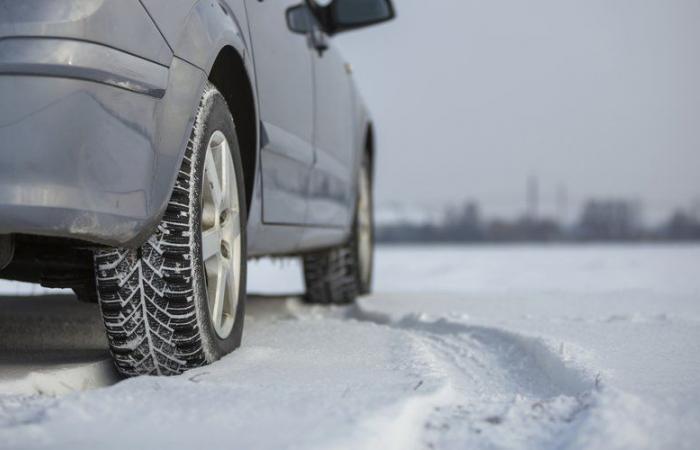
{"points": [[501, 389]]}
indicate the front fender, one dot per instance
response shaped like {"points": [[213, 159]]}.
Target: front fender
{"points": [[196, 31]]}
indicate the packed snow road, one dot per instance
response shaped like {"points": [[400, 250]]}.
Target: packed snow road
{"points": [[476, 347]]}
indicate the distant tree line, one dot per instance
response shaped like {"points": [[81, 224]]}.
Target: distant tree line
{"points": [[599, 220]]}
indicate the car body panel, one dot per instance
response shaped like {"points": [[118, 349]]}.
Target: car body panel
{"points": [[100, 21], [332, 183], [87, 160], [198, 30], [91, 150], [68, 58], [283, 67], [233, 30], [170, 16]]}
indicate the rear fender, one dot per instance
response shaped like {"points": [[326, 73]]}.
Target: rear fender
{"points": [[198, 30]]}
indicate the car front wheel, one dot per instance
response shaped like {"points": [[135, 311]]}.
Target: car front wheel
{"points": [[177, 302]]}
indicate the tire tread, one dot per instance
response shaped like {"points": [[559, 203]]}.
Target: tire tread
{"points": [[146, 295]]}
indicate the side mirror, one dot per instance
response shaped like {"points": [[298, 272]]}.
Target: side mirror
{"points": [[299, 19], [344, 15]]}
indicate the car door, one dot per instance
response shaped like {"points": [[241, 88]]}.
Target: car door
{"points": [[283, 68], [331, 185]]}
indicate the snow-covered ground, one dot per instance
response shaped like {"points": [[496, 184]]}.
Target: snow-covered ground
{"points": [[460, 347]]}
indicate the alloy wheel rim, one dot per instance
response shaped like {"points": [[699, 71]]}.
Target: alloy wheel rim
{"points": [[364, 218], [221, 234]]}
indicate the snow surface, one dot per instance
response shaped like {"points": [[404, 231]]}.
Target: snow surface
{"points": [[461, 347]]}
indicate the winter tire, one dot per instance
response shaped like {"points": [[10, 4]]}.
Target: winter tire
{"points": [[177, 302], [340, 274]]}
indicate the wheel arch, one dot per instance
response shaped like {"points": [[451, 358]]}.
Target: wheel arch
{"points": [[228, 64], [370, 146], [229, 75], [212, 36]]}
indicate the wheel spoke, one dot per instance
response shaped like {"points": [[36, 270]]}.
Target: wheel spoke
{"points": [[220, 295], [225, 176], [365, 226], [211, 243], [364, 219], [231, 229], [212, 179], [362, 204], [232, 302]]}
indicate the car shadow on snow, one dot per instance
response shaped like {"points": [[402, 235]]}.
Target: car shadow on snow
{"points": [[54, 344]]}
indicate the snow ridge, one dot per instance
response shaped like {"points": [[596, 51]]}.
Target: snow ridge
{"points": [[511, 390]]}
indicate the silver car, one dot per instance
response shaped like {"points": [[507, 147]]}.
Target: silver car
{"points": [[149, 148]]}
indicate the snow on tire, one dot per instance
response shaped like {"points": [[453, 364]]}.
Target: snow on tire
{"points": [[156, 301]]}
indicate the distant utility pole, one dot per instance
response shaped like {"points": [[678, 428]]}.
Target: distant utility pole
{"points": [[562, 202], [533, 197]]}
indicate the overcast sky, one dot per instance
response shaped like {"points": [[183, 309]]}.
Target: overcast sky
{"points": [[472, 97]]}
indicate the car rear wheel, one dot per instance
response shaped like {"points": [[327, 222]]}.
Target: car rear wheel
{"points": [[177, 302], [340, 274]]}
